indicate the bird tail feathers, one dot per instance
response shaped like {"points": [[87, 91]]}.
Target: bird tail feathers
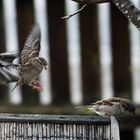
{"points": [[85, 109]]}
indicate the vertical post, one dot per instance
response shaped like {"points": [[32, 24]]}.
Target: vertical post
{"points": [[41, 18], [105, 50], [115, 132], [135, 61], [135, 64], [74, 57], [11, 41]]}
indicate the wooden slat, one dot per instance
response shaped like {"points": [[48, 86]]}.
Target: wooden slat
{"points": [[58, 52], [89, 54], [37, 132], [25, 19], [115, 134], [77, 119], [2, 35], [3, 89], [121, 54]]}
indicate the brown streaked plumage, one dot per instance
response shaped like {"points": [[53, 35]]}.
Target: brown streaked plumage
{"points": [[31, 64], [112, 106]]}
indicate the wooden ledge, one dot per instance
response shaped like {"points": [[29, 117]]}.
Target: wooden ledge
{"points": [[76, 119]]}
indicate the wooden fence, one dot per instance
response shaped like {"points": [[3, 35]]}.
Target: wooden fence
{"points": [[87, 60], [91, 56]]}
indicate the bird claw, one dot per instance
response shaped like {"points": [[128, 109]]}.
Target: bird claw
{"points": [[37, 85], [38, 88]]}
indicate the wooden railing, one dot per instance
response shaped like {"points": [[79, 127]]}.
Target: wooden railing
{"points": [[54, 127]]}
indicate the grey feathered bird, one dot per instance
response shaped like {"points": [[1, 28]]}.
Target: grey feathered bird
{"points": [[5, 75], [31, 64], [8, 57], [112, 106]]}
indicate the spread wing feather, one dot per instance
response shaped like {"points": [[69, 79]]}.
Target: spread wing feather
{"points": [[31, 47]]}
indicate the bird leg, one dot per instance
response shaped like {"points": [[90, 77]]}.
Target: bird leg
{"points": [[37, 85]]}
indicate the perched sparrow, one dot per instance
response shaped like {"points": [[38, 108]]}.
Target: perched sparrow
{"points": [[112, 106], [5, 75], [31, 64]]}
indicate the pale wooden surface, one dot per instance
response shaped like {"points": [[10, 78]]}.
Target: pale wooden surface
{"points": [[77, 119], [115, 132], [53, 131], [54, 127]]}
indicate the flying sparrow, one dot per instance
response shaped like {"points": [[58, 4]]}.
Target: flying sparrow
{"points": [[5, 75], [31, 64], [112, 106]]}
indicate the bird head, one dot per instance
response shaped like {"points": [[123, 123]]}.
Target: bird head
{"points": [[43, 62], [128, 106]]}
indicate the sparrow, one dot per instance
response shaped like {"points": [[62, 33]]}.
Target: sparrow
{"points": [[5, 75], [31, 65], [112, 106]]}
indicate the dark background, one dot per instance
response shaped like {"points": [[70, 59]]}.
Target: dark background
{"points": [[59, 60]]}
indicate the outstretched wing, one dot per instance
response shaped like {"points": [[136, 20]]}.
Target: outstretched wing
{"points": [[32, 45], [8, 56], [6, 76]]}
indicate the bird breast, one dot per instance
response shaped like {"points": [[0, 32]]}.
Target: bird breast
{"points": [[31, 74]]}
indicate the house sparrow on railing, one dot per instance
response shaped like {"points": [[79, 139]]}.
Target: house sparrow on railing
{"points": [[112, 106], [31, 64]]}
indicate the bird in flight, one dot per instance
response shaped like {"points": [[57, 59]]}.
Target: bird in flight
{"points": [[31, 64], [5, 75], [112, 106]]}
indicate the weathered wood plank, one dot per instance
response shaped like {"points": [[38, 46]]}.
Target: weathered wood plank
{"points": [[54, 127], [74, 132], [29, 131], [77, 119], [33, 131], [115, 135]]}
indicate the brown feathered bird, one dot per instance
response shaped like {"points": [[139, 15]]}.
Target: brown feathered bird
{"points": [[112, 106], [31, 64]]}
